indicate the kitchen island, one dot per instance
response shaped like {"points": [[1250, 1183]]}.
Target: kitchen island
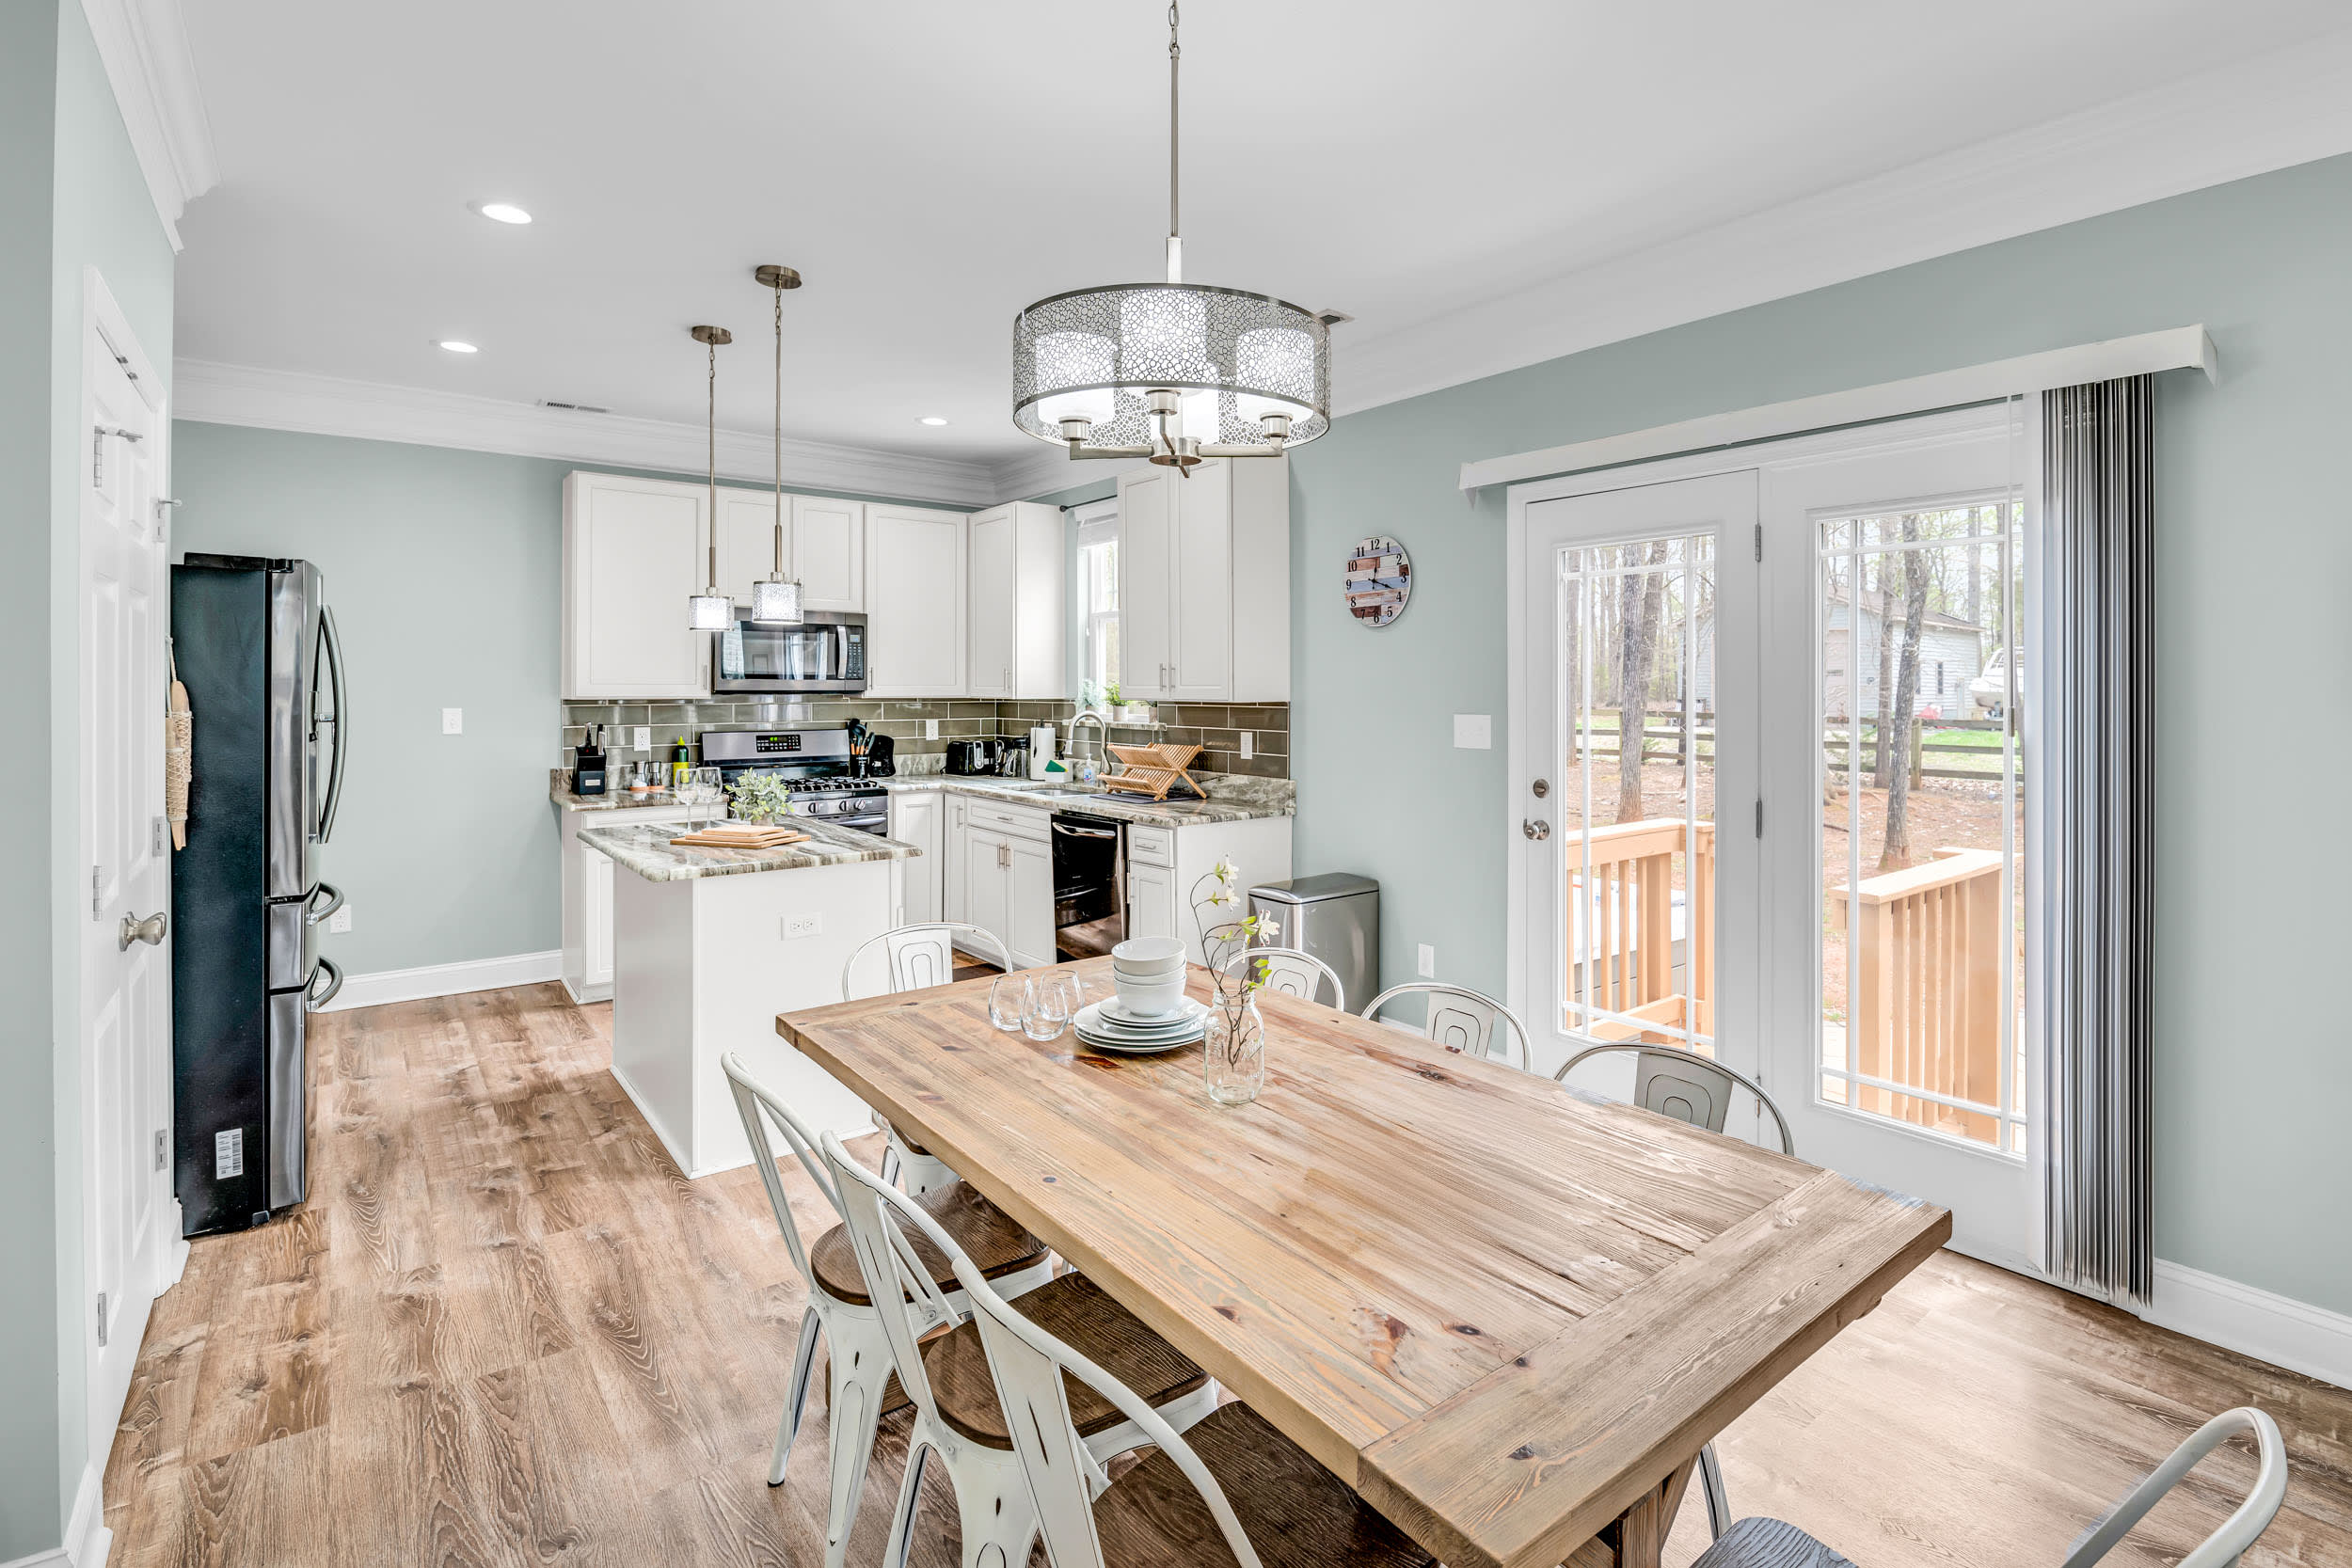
{"points": [[709, 946]]}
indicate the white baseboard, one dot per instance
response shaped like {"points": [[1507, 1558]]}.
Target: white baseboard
{"points": [[409, 984], [2270, 1327], [88, 1541]]}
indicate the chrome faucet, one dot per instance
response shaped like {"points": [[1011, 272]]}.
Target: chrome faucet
{"points": [[1102, 736]]}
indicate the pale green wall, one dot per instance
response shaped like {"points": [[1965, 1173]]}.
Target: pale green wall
{"points": [[445, 571], [2254, 547], [71, 195]]}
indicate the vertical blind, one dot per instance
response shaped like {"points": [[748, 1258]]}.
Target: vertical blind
{"points": [[2096, 689]]}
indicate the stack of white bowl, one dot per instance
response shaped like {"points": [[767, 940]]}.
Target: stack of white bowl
{"points": [[1151, 975]]}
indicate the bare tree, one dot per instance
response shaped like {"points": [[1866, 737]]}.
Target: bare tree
{"points": [[1888, 566], [1895, 736], [1643, 606]]}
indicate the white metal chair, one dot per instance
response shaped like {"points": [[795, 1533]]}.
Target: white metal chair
{"points": [[958, 1413], [919, 957], [1293, 971], [859, 1363], [1227, 1491], [1695, 1089], [1462, 1019], [1758, 1542]]}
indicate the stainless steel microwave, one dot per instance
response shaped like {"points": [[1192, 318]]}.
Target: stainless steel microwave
{"points": [[826, 652]]}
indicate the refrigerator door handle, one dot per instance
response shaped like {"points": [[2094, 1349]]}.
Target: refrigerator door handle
{"points": [[332, 643], [335, 901], [311, 999]]}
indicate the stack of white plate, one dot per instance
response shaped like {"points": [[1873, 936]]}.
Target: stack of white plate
{"points": [[1105, 1025], [1150, 972]]}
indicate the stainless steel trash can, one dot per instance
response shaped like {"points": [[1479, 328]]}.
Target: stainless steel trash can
{"points": [[1336, 917]]}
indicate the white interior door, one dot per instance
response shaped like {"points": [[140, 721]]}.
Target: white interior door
{"points": [[1636, 772], [1893, 575], [126, 967]]}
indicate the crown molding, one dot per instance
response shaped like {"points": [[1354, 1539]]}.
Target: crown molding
{"points": [[215, 394], [144, 47], [1048, 471], [2270, 112]]}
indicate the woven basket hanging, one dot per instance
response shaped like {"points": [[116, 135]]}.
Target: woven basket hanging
{"points": [[178, 757]]}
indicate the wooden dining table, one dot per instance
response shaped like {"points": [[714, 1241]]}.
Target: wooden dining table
{"points": [[1508, 1313]]}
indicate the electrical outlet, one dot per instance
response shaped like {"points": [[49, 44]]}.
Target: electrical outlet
{"points": [[1474, 732], [931, 729], [341, 920], [1249, 745], [452, 721], [1428, 965], [644, 738], [797, 926]]}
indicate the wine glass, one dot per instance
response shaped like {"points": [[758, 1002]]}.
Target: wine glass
{"points": [[1010, 1001], [1049, 1009], [702, 789]]}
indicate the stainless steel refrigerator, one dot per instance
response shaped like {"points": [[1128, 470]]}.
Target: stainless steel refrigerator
{"points": [[255, 644]]}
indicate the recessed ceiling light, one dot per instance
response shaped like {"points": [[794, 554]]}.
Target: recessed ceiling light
{"points": [[502, 212], [931, 419], [455, 346]]}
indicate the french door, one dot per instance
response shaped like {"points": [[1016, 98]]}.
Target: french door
{"points": [[1771, 792]]}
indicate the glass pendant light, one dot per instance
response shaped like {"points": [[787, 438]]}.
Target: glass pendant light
{"points": [[710, 610], [1173, 372], [776, 598]]}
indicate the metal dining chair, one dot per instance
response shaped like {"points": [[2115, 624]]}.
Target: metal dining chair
{"points": [[944, 1369], [1758, 1542], [1224, 1479], [1696, 1090], [858, 1364], [1293, 971], [1462, 1019], [919, 957]]}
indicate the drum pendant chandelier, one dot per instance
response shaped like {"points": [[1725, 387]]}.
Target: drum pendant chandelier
{"points": [[1171, 372]]}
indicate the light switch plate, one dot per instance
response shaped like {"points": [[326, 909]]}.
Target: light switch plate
{"points": [[1249, 745], [931, 729], [452, 721], [1474, 732], [1427, 967], [341, 920], [644, 738]]}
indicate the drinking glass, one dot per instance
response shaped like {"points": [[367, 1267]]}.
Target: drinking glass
{"points": [[1049, 1009], [703, 790], [1010, 1001]]}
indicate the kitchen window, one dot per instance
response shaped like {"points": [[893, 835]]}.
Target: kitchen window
{"points": [[1098, 597]]}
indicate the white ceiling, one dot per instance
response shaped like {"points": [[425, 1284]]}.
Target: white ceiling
{"points": [[930, 166]]}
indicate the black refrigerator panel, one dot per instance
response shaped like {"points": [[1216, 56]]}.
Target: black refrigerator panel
{"points": [[220, 981]]}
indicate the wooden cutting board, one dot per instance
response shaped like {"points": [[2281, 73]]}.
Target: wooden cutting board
{"points": [[741, 837]]}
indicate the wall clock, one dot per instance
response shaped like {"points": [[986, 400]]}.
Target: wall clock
{"points": [[1380, 580]]}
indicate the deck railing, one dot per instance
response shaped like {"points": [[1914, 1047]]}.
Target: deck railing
{"points": [[1624, 986], [1924, 966]]}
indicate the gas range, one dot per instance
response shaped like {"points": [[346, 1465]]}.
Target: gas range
{"points": [[816, 766]]}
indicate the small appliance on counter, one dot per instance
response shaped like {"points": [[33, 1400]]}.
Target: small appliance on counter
{"points": [[882, 757], [816, 765], [985, 755], [588, 775], [1041, 749]]}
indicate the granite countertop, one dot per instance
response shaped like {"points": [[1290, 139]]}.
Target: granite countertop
{"points": [[645, 847], [1235, 799], [1232, 798]]}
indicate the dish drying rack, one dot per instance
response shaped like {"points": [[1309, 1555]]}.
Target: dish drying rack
{"points": [[1153, 770]]}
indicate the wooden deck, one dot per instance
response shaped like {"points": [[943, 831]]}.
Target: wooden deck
{"points": [[505, 1331]]}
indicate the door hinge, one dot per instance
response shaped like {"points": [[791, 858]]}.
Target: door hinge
{"points": [[97, 892], [102, 1319], [1760, 816], [155, 836], [162, 1148], [1759, 541], [98, 458]]}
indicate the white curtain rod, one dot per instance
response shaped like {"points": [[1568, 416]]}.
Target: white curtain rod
{"points": [[2174, 348]]}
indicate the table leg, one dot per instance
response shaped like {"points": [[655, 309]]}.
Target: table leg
{"points": [[1637, 1537]]}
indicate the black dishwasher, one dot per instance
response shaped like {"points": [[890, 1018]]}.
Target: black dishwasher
{"points": [[1090, 902]]}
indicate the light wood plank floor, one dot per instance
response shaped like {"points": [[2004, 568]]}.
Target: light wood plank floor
{"points": [[506, 1331]]}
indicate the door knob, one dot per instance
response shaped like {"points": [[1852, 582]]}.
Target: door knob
{"points": [[1535, 829], [150, 930]]}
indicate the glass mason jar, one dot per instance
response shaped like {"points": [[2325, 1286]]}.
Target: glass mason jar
{"points": [[1234, 1052]]}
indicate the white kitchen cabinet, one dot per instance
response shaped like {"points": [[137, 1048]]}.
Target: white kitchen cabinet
{"points": [[747, 540], [1030, 891], [588, 954], [915, 818], [914, 602], [951, 825], [633, 553], [1204, 583], [598, 967], [1008, 878], [829, 542], [1152, 901], [1017, 612]]}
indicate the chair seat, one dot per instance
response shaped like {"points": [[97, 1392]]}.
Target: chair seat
{"points": [[1768, 1543], [1074, 1311], [1296, 1514], [986, 1234]]}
